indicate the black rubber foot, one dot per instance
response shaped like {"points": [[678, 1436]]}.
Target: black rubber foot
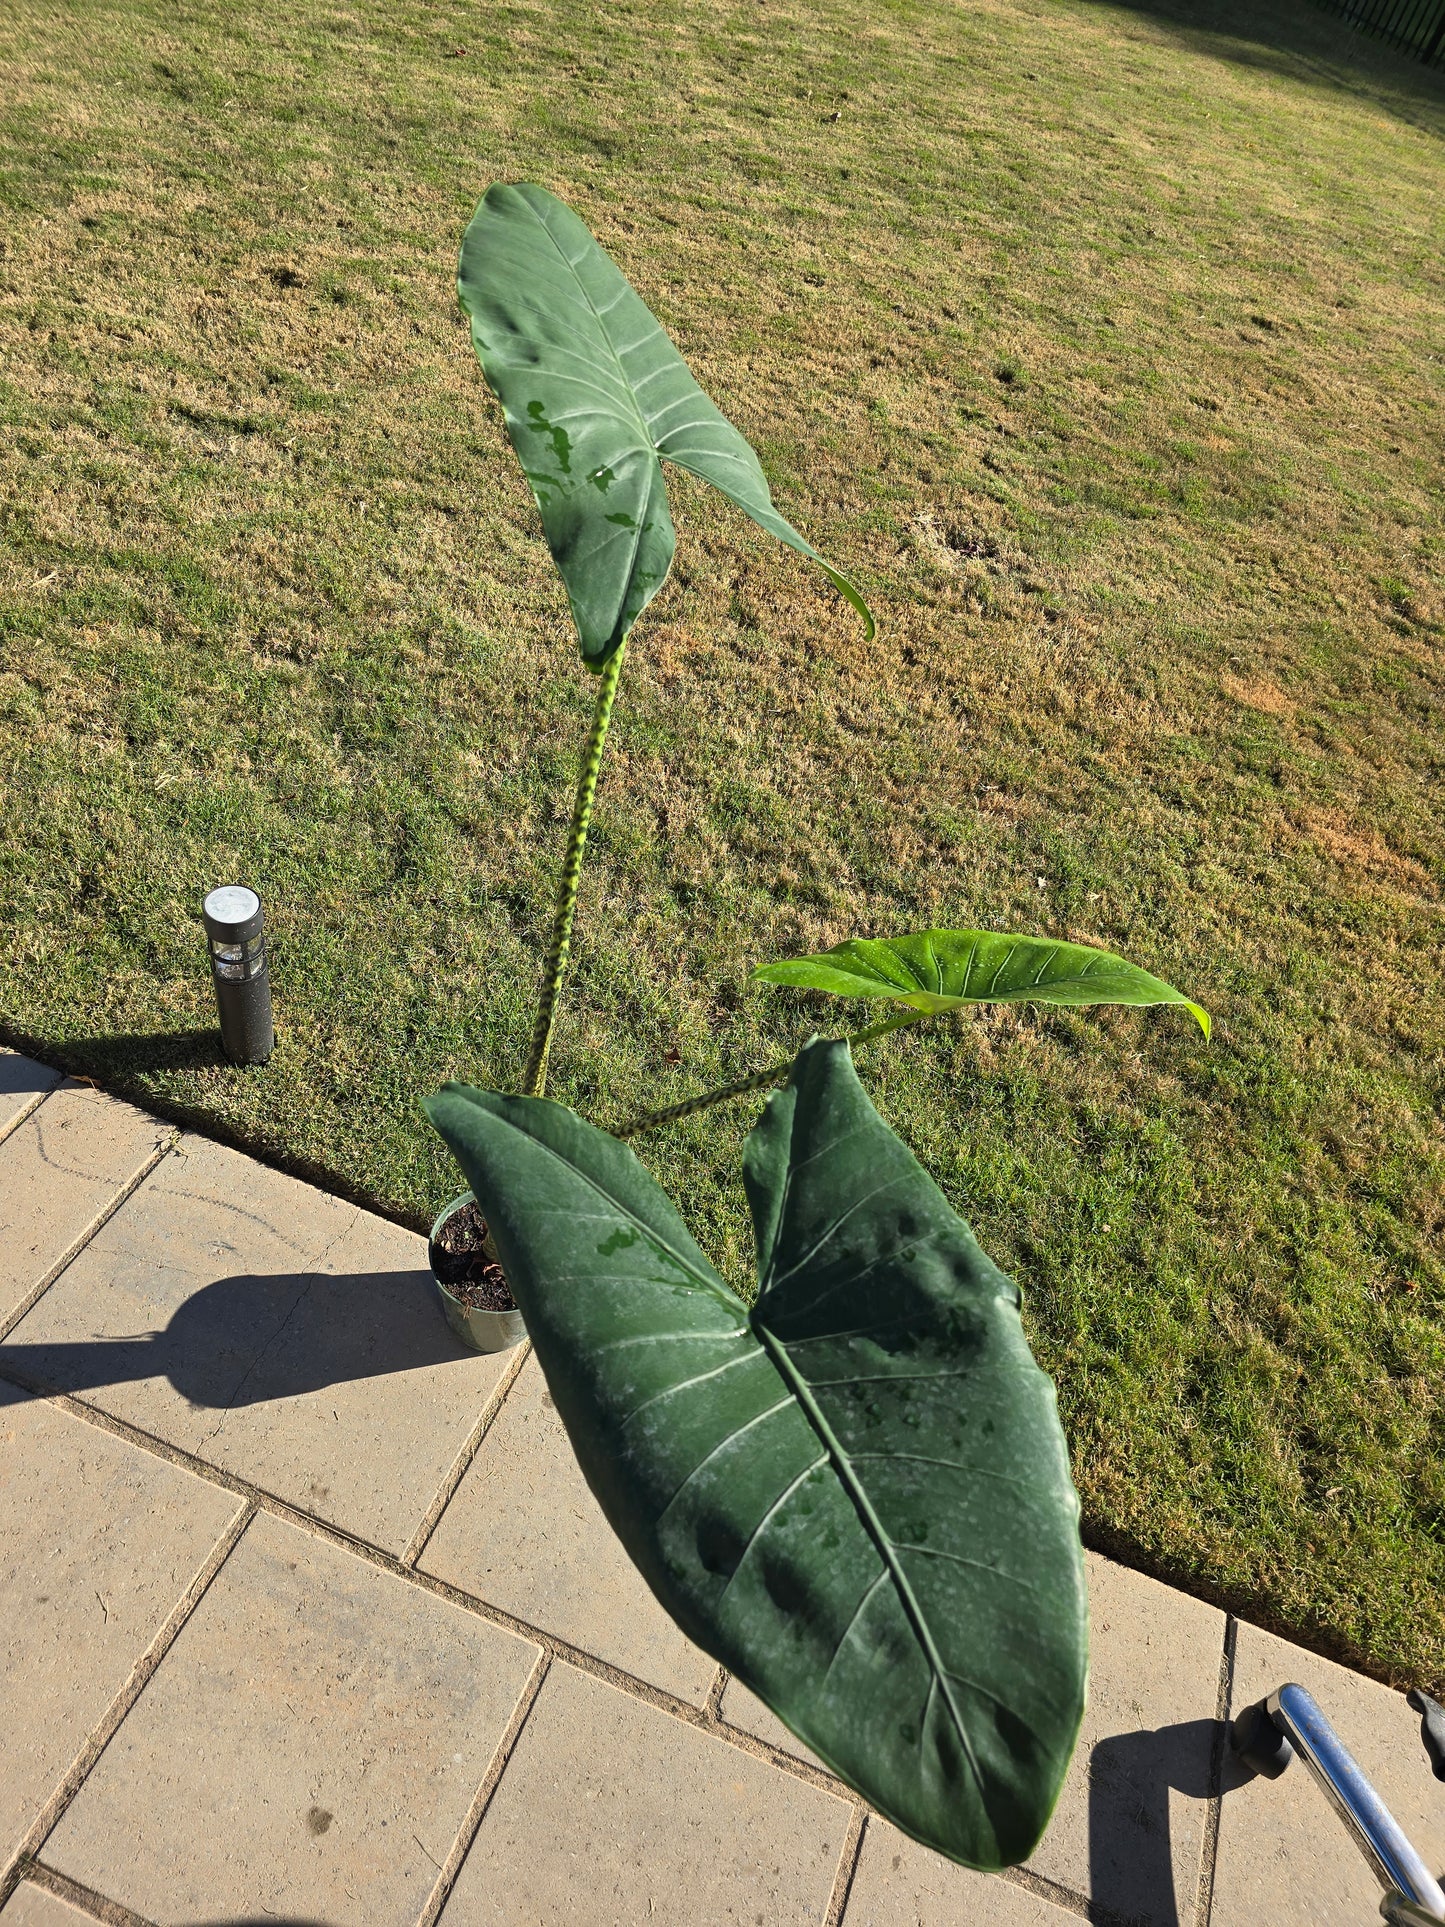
{"points": [[1258, 1742], [1432, 1728]]}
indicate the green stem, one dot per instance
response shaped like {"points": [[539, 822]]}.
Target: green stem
{"points": [[535, 1082], [774, 1074]]}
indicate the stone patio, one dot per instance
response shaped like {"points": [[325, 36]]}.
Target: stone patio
{"points": [[306, 1615]]}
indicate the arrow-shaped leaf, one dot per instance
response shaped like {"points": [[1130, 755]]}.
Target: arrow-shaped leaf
{"points": [[596, 398], [943, 969], [855, 1496]]}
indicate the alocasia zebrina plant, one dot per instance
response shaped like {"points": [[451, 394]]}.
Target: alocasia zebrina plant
{"points": [[855, 1493]]}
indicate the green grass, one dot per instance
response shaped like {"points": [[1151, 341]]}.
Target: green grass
{"points": [[1101, 346]]}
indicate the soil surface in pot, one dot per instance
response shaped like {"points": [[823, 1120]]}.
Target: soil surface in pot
{"points": [[459, 1261]]}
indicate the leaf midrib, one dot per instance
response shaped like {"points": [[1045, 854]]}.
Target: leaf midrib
{"points": [[648, 434], [647, 439], [874, 1527], [898, 994], [629, 386]]}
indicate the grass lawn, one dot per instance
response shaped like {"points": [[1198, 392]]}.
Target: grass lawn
{"points": [[1101, 345]]}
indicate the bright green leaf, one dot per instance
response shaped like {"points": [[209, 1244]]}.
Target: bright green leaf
{"points": [[594, 394], [944, 969], [855, 1496]]}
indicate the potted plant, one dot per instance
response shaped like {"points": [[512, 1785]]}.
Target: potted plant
{"points": [[475, 1297], [854, 1492]]}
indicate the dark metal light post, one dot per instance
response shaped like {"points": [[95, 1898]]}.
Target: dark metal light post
{"points": [[234, 925]]}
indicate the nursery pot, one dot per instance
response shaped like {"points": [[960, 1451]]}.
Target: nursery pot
{"points": [[482, 1331]]}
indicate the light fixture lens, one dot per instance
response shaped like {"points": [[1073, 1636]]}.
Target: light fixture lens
{"points": [[234, 903]]}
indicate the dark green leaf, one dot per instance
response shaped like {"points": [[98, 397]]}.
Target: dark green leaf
{"points": [[594, 393], [944, 969], [857, 1496]]}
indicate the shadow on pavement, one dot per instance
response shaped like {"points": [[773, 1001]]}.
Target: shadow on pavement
{"points": [[1131, 1775], [21, 1077], [245, 1340]]}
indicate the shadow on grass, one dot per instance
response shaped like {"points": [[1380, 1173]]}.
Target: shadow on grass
{"points": [[248, 1340], [1303, 41], [134, 1065], [140, 1054]]}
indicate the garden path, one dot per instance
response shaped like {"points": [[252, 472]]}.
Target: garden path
{"points": [[306, 1615]]}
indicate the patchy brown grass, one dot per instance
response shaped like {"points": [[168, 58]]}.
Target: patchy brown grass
{"points": [[1101, 344], [1363, 851], [1258, 692]]}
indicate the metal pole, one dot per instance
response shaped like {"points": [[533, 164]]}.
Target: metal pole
{"points": [[1376, 1832], [235, 928]]}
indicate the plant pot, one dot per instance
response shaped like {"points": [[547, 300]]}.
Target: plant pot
{"points": [[479, 1330]]}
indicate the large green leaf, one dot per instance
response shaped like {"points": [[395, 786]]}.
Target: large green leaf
{"points": [[943, 969], [855, 1496], [594, 393]]}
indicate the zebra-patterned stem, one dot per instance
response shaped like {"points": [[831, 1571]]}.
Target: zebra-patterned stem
{"points": [[775, 1074], [535, 1082]]}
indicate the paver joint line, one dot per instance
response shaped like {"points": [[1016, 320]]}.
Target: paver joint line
{"points": [[1064, 1898], [97, 1225], [130, 1691], [1205, 1904], [13, 1124], [84, 1899], [471, 1445], [847, 1867], [477, 1811]]}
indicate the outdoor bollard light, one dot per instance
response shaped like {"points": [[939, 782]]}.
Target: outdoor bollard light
{"points": [[238, 969]]}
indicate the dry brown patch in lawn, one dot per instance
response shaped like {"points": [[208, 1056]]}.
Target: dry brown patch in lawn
{"points": [[1360, 848], [1258, 692]]}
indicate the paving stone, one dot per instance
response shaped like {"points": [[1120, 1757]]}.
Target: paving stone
{"points": [[1129, 1826], [99, 1541], [32, 1906], [61, 1170], [524, 1532], [22, 1080], [612, 1812], [746, 1711], [309, 1746], [272, 1330], [1283, 1857], [897, 1883]]}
